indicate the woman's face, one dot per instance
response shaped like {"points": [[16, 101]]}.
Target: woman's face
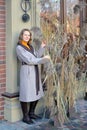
{"points": [[26, 36]]}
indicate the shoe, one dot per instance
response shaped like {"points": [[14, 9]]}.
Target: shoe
{"points": [[34, 116], [85, 98], [27, 120]]}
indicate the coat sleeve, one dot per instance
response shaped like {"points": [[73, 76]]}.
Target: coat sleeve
{"points": [[25, 56], [40, 52]]}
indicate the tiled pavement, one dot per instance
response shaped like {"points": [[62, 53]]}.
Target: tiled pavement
{"points": [[38, 125], [78, 121]]}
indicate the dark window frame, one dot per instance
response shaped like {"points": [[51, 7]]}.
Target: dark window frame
{"points": [[63, 12]]}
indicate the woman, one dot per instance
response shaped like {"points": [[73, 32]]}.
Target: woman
{"points": [[30, 79]]}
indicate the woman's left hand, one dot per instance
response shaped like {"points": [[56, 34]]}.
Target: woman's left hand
{"points": [[43, 43]]}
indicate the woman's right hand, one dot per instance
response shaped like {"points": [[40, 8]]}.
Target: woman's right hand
{"points": [[47, 57]]}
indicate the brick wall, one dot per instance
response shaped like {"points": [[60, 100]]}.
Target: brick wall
{"points": [[2, 57]]}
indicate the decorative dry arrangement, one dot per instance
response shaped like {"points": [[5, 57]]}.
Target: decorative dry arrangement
{"points": [[64, 76]]}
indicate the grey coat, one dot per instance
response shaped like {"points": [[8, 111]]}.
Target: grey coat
{"points": [[27, 92]]}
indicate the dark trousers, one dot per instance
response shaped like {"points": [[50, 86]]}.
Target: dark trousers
{"points": [[24, 106]]}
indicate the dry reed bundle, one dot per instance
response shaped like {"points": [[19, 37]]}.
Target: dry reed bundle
{"points": [[62, 77], [63, 84]]}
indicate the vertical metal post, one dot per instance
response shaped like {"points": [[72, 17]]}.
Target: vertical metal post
{"points": [[63, 13], [86, 11], [33, 12], [81, 16]]}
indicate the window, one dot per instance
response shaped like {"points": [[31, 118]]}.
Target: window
{"points": [[51, 13]]}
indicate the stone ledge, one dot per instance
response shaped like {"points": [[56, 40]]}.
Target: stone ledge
{"points": [[10, 95]]}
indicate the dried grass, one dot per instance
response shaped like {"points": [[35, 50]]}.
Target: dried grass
{"points": [[63, 85], [61, 77]]}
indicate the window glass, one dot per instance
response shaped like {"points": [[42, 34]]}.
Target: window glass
{"points": [[49, 16], [73, 16]]}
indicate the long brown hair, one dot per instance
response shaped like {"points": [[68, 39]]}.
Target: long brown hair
{"points": [[21, 35]]}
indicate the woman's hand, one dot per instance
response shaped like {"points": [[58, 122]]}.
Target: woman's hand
{"points": [[47, 57], [43, 43]]}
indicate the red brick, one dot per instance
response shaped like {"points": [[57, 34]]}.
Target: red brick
{"points": [[2, 56], [2, 34], [1, 117], [2, 43], [2, 11], [2, 75], [1, 104], [2, 80], [2, 30], [1, 98], [1, 108], [2, 3], [2, 71], [3, 85], [2, 48], [2, 66]]}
